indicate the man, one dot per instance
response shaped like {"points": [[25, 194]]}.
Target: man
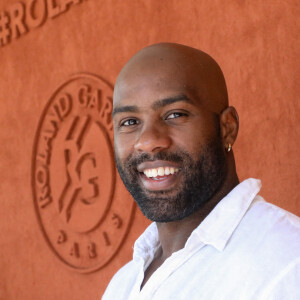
{"points": [[212, 237]]}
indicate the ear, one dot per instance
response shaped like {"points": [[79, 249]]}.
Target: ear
{"points": [[229, 122]]}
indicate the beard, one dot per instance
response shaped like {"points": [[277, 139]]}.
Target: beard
{"points": [[200, 180]]}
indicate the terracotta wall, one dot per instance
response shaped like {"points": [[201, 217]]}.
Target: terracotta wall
{"points": [[49, 239]]}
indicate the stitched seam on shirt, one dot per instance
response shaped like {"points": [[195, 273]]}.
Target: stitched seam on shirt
{"points": [[272, 285]]}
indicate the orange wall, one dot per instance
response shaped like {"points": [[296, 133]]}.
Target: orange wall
{"points": [[255, 42]]}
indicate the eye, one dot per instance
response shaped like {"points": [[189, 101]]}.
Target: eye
{"points": [[129, 122], [175, 115]]}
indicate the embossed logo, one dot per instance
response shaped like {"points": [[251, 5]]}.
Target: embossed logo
{"points": [[83, 209]]}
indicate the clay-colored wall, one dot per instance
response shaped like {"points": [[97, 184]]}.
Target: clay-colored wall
{"points": [[255, 42]]}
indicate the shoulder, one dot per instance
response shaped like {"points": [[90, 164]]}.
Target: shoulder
{"points": [[270, 233], [273, 218], [286, 284], [264, 251]]}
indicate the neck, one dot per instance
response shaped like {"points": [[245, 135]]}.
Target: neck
{"points": [[173, 235]]}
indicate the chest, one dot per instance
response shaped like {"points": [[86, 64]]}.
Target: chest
{"points": [[204, 275]]}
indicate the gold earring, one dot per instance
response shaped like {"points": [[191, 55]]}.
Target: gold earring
{"points": [[229, 148]]}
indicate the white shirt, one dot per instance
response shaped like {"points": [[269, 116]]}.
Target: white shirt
{"points": [[245, 248]]}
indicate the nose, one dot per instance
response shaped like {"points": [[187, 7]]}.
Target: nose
{"points": [[153, 138]]}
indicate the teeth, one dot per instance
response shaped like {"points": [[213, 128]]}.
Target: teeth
{"points": [[161, 171], [154, 173], [167, 171]]}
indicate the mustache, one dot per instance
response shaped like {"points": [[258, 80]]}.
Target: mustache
{"points": [[134, 160]]}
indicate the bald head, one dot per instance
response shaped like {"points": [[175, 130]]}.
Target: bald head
{"points": [[177, 67], [171, 113]]}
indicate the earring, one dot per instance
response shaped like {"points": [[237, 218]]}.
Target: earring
{"points": [[229, 148]]}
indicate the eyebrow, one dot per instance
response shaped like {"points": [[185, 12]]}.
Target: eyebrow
{"points": [[128, 108], [155, 106], [167, 101]]}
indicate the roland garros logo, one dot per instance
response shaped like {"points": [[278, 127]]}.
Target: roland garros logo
{"points": [[83, 209]]}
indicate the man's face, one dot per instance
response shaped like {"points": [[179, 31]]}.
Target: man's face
{"points": [[168, 148]]}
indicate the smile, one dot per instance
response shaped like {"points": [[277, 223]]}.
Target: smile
{"points": [[159, 175], [161, 171]]}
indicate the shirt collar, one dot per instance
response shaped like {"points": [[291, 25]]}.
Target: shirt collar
{"points": [[146, 245], [216, 229]]}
